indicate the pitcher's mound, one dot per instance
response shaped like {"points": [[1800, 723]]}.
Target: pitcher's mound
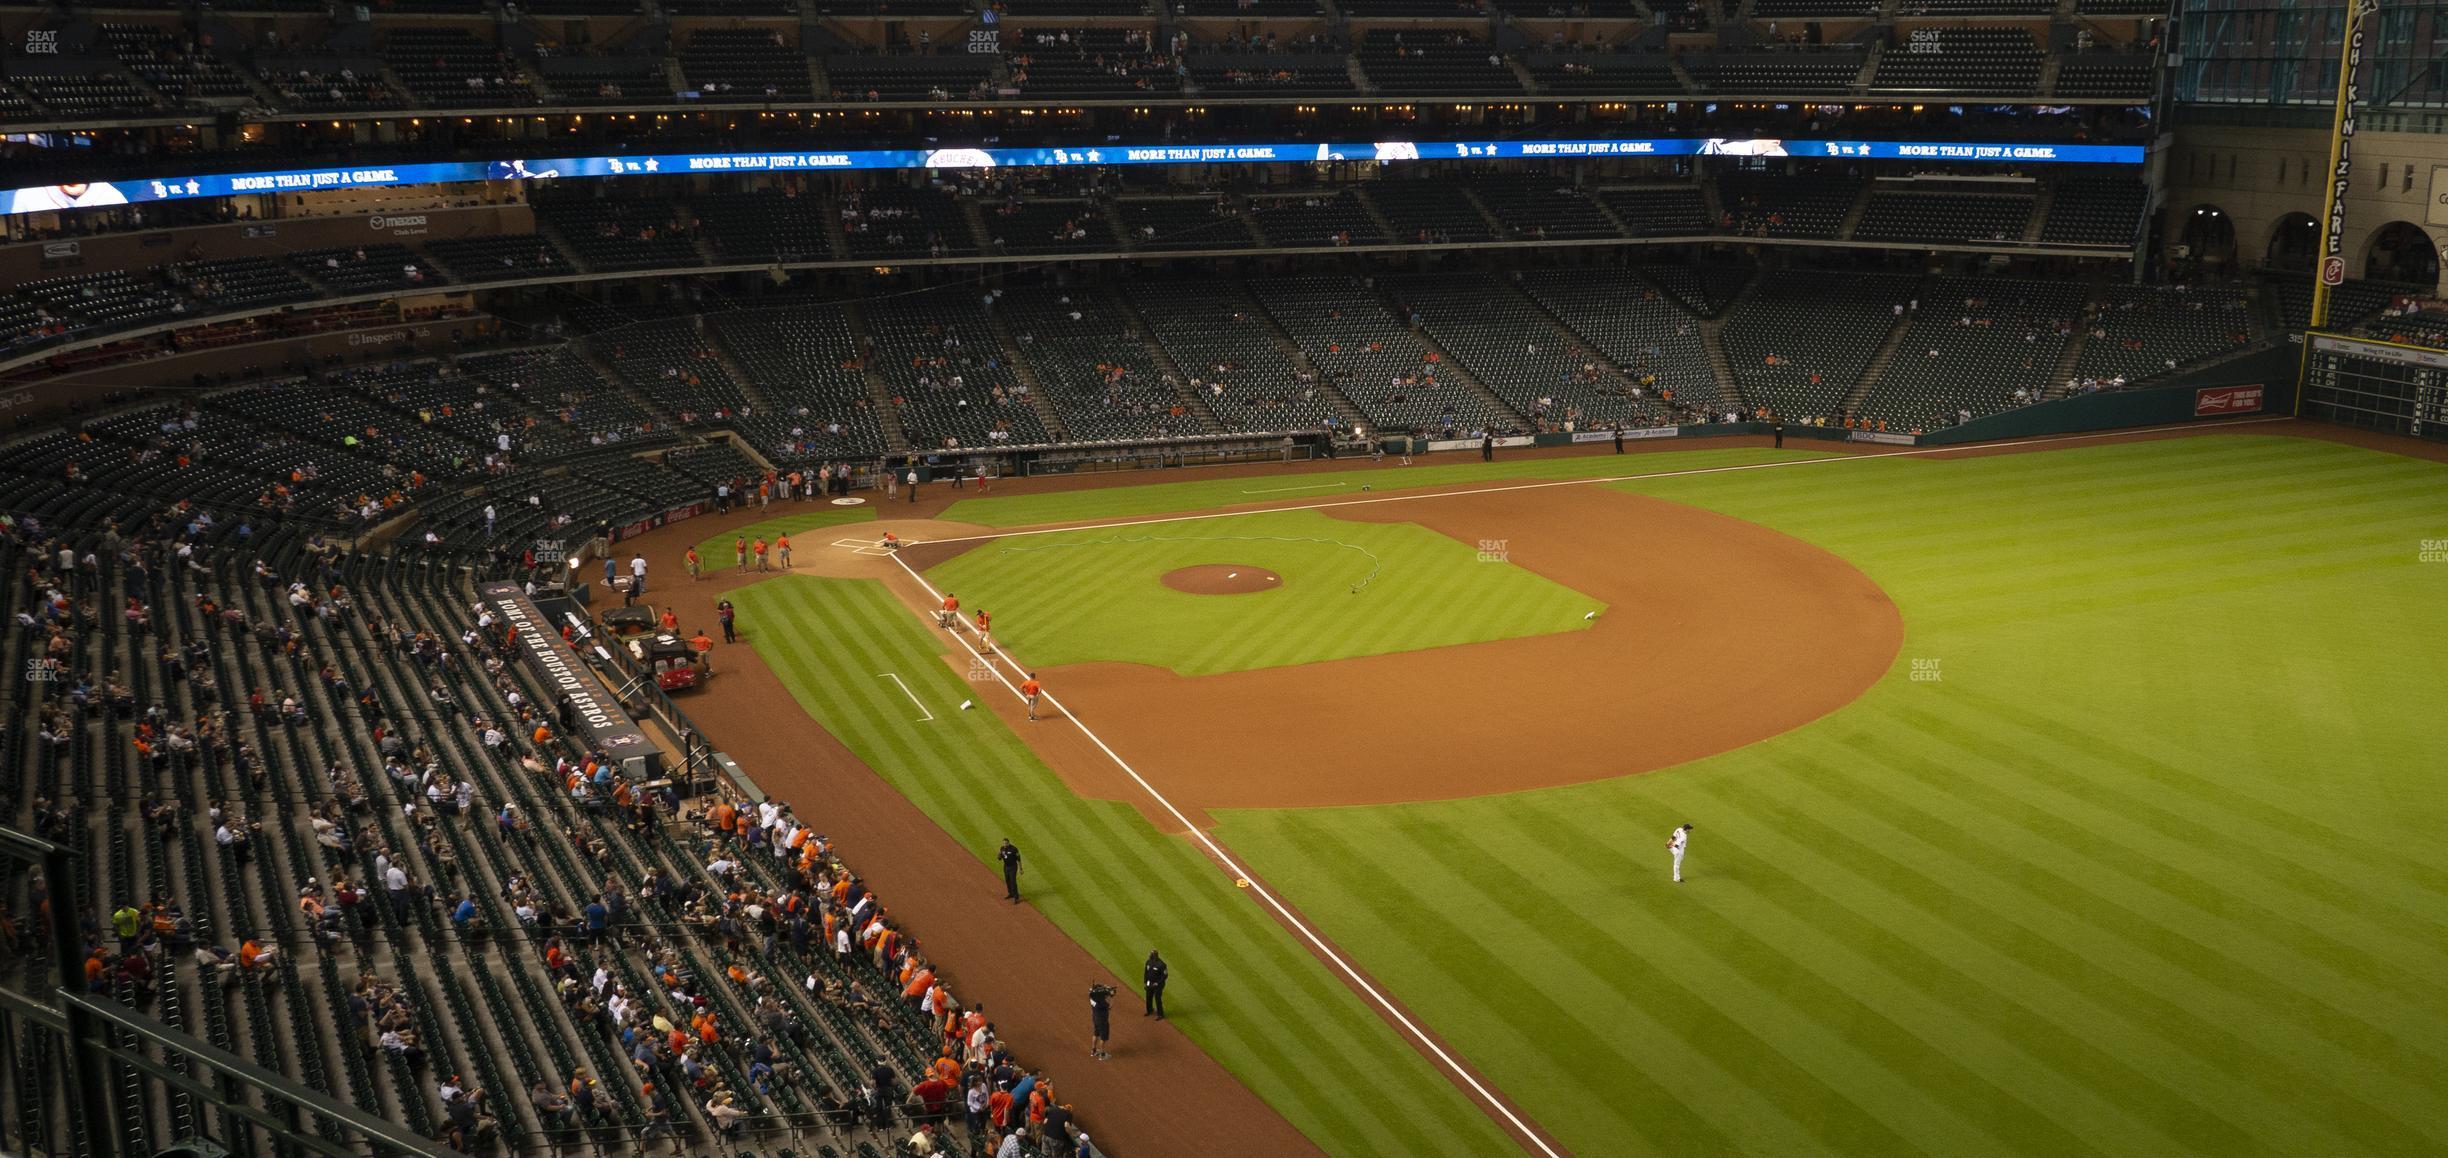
{"points": [[1222, 579]]}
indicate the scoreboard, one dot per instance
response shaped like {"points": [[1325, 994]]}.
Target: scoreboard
{"points": [[2376, 385]]}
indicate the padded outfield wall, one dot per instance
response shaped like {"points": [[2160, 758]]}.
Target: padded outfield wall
{"points": [[2221, 391]]}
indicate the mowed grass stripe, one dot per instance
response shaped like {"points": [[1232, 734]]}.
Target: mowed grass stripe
{"points": [[2155, 973], [1717, 1033], [2261, 821], [1539, 1022], [1822, 993], [1249, 994], [2292, 904], [1964, 954]]}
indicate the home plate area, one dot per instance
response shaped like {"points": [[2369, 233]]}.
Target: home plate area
{"points": [[870, 546]]}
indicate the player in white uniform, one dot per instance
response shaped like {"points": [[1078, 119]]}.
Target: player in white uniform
{"points": [[1675, 843]]}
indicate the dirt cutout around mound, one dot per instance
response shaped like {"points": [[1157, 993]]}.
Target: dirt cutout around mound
{"points": [[1718, 633], [1222, 579]]}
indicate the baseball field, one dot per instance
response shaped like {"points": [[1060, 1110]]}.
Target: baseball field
{"points": [[2070, 798]]}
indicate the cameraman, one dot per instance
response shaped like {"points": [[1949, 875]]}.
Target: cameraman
{"points": [[1100, 1019]]}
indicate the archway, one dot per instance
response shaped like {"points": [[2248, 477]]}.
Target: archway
{"points": [[2205, 239], [2402, 252], [2293, 243]]}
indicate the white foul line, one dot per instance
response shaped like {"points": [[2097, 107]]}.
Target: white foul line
{"points": [[1311, 487], [1241, 874], [913, 696], [1330, 504]]}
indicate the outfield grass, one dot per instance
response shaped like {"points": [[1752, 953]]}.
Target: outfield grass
{"points": [[1418, 589], [794, 519], [1022, 509], [2152, 866], [1242, 987]]}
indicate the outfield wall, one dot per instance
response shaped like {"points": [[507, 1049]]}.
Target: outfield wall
{"points": [[2210, 392]]}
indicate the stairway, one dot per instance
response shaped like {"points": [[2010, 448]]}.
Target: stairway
{"points": [[1853, 214], [551, 234], [1009, 343], [2041, 204], [1877, 367], [739, 374], [1496, 225], [1111, 207], [1521, 74], [1145, 335], [1712, 339], [604, 369], [1447, 364], [1344, 407], [1674, 64], [1869, 68], [2066, 361], [879, 392], [1376, 216]]}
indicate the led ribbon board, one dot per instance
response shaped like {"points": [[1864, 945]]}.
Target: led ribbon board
{"points": [[42, 198]]}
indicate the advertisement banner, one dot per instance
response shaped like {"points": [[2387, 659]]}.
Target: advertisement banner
{"points": [[1629, 435], [81, 195], [1881, 437], [602, 724], [2215, 400], [1473, 443]]}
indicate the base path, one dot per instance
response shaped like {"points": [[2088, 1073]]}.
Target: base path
{"points": [[1718, 633]]}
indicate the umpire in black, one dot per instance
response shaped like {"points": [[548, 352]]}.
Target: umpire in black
{"points": [[1009, 854], [1152, 983]]}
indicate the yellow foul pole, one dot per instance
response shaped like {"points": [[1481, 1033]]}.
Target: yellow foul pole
{"points": [[2331, 269]]}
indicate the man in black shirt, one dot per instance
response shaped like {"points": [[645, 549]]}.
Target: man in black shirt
{"points": [[887, 1092], [1152, 981], [1100, 1020], [1009, 854]]}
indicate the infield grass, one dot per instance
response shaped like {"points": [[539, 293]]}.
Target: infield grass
{"points": [[1082, 596]]}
